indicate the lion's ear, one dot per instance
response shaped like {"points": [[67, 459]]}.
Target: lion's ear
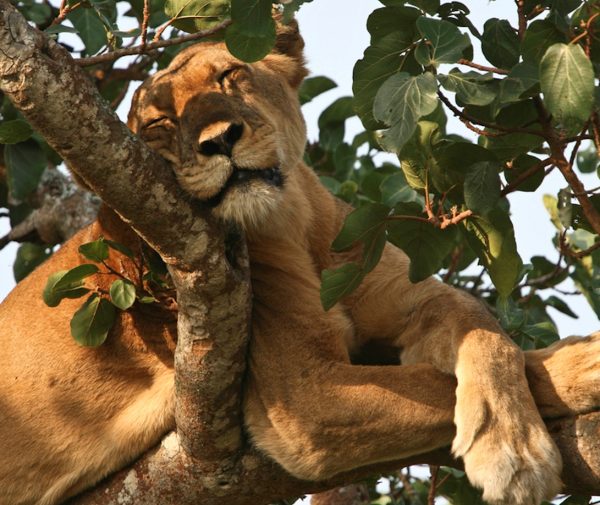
{"points": [[289, 43]]}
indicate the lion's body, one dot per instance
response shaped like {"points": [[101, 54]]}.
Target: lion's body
{"points": [[70, 415]]}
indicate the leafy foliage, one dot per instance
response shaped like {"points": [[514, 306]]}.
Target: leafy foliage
{"points": [[92, 322]]}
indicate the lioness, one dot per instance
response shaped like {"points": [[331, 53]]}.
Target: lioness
{"points": [[235, 136]]}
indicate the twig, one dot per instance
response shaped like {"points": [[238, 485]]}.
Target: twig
{"points": [[408, 487], [471, 64], [454, 259], [63, 11], [455, 219], [566, 169], [145, 19], [477, 281], [522, 18], [409, 218], [464, 117], [567, 251], [577, 145], [509, 188], [568, 140], [177, 17], [435, 470], [543, 279], [114, 55], [596, 131], [4, 241], [113, 271], [121, 96]]}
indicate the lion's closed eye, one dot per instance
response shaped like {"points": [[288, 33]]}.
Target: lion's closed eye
{"points": [[158, 122], [232, 74]]}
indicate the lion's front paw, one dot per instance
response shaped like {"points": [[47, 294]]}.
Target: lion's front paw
{"points": [[506, 449]]}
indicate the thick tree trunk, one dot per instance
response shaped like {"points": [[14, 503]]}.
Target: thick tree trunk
{"points": [[207, 460]]}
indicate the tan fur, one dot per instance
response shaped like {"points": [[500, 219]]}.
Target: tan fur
{"points": [[70, 415]]}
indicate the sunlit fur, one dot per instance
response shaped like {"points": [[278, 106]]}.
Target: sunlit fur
{"points": [[71, 415]]}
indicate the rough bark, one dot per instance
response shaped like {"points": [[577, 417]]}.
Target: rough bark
{"points": [[353, 494], [207, 461], [61, 209]]}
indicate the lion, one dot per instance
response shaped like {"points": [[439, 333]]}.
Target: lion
{"points": [[234, 136]]}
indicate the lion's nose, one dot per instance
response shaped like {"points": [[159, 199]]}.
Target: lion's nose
{"points": [[223, 142]]}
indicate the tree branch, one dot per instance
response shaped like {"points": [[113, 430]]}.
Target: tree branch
{"points": [[566, 168], [146, 47]]}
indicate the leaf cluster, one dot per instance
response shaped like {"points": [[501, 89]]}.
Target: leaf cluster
{"points": [[533, 107], [91, 323]]}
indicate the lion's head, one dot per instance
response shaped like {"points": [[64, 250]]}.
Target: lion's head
{"points": [[232, 131]]}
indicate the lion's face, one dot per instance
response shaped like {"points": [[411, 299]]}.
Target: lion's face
{"points": [[232, 131]]}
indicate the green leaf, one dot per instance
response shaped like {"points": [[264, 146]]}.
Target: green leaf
{"points": [[248, 47], [60, 29], [561, 306], [313, 87], [91, 323], [147, 299], [39, 13], [522, 164], [25, 163], [551, 205], [366, 225], [252, 34], [333, 185], [122, 294], [542, 334], [400, 102], [95, 251], [454, 159], [423, 243], [206, 13], [123, 249], [331, 123], [470, 87], [565, 208], [482, 187], [28, 257], [360, 224], [493, 239], [395, 189], [539, 36], [576, 500], [512, 145], [392, 33], [500, 43], [91, 29], [567, 81], [338, 283], [447, 42], [511, 316], [15, 131], [521, 82], [157, 13], [67, 284]]}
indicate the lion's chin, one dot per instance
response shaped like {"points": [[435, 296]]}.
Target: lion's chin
{"points": [[250, 205]]}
